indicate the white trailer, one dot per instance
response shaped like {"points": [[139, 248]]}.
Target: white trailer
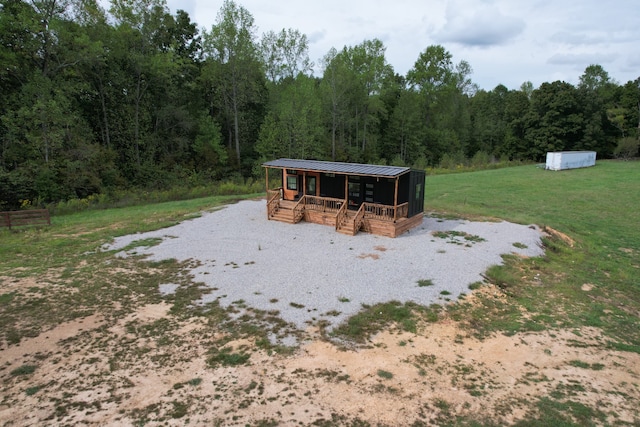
{"points": [[561, 160]]}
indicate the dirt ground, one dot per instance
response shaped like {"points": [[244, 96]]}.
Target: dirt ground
{"points": [[90, 372]]}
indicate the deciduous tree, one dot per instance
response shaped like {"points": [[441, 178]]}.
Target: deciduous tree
{"points": [[233, 64]]}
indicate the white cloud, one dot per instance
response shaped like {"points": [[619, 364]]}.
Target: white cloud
{"points": [[484, 25]]}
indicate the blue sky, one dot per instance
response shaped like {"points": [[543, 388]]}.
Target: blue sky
{"points": [[505, 42]]}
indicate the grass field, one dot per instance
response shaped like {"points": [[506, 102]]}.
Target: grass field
{"points": [[589, 277], [596, 207]]}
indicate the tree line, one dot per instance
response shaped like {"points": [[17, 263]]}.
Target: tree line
{"points": [[135, 97]]}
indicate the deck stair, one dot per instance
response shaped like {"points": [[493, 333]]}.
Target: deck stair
{"points": [[283, 214], [289, 212], [347, 225]]}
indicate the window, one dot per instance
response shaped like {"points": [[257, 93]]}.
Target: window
{"points": [[369, 192], [354, 189], [418, 192], [292, 182]]}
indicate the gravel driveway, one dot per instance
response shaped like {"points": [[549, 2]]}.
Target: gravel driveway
{"points": [[308, 272]]}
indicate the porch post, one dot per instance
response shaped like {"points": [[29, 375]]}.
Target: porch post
{"points": [[266, 179], [304, 184], [395, 202], [346, 190]]}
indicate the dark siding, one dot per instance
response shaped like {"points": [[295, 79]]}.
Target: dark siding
{"points": [[332, 186], [384, 189], [416, 187], [373, 190], [403, 188]]}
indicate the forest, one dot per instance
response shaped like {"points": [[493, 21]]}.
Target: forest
{"points": [[134, 97]]}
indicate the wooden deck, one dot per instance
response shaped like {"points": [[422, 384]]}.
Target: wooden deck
{"points": [[371, 218]]}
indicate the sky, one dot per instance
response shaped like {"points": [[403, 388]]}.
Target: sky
{"points": [[505, 41]]}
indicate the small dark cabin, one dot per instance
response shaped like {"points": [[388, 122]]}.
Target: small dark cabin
{"points": [[384, 200]]}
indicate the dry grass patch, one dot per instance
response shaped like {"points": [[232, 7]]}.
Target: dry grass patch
{"points": [[560, 235]]}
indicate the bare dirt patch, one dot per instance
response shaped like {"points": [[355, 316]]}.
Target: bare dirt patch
{"points": [[91, 373], [11, 284]]}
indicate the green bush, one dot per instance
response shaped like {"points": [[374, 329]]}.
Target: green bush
{"points": [[455, 160], [137, 196], [627, 148], [481, 159]]}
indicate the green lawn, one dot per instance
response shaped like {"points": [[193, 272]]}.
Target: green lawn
{"points": [[598, 207], [601, 201]]}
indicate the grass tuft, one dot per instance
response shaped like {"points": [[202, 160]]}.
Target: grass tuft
{"points": [[422, 283], [227, 357], [385, 374], [24, 370]]}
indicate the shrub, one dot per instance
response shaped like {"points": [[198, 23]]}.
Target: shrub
{"points": [[627, 148], [481, 159], [453, 160], [138, 196]]}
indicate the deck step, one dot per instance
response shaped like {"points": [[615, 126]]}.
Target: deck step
{"points": [[283, 215], [345, 231], [346, 227]]}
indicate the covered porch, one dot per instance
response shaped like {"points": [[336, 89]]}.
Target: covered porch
{"points": [[383, 200]]}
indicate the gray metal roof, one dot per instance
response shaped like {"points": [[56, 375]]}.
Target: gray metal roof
{"points": [[337, 167]]}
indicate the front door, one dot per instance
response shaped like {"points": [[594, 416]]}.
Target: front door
{"points": [[292, 186], [311, 185]]}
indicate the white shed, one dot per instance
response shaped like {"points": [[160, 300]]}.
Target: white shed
{"points": [[561, 160]]}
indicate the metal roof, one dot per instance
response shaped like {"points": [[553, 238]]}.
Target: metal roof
{"points": [[337, 167]]}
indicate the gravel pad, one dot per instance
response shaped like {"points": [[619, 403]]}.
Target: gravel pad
{"points": [[309, 272]]}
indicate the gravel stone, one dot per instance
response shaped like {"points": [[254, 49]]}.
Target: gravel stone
{"points": [[309, 272]]}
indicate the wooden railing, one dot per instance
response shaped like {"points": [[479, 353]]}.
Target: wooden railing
{"points": [[378, 211], [298, 210], [323, 204], [341, 215], [26, 217], [385, 212], [273, 200], [402, 211], [331, 205], [358, 219]]}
